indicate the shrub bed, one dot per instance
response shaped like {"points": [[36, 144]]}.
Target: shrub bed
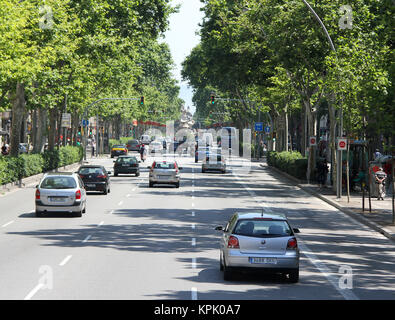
{"points": [[292, 163], [26, 165]]}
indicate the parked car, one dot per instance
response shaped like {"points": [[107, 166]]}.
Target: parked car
{"points": [[95, 178], [214, 162], [127, 165], [23, 148], [258, 242], [118, 150], [133, 145], [164, 172], [61, 192]]}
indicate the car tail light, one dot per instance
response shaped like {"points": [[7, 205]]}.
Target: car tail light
{"points": [[102, 176], [37, 194], [233, 243], [292, 243], [78, 195]]}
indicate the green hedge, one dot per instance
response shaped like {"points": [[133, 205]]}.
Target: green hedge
{"points": [[26, 165], [292, 163]]}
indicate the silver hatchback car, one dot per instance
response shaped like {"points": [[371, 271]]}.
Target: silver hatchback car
{"points": [[164, 172], [259, 242], [61, 192]]}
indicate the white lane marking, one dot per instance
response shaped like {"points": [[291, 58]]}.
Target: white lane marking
{"points": [[120, 203], [34, 291], [100, 224], [193, 226], [7, 224], [254, 196], [193, 213], [129, 195], [194, 293], [346, 293], [193, 242], [193, 263], [65, 260], [193, 204], [112, 211], [87, 238], [193, 197]]}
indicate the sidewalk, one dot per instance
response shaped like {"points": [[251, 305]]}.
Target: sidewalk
{"points": [[379, 219]]}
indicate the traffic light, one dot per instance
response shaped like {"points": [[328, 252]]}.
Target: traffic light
{"points": [[142, 100], [212, 99]]}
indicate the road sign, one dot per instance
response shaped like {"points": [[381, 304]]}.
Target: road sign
{"points": [[267, 129], [85, 123], [66, 120], [258, 126], [341, 144], [313, 141]]}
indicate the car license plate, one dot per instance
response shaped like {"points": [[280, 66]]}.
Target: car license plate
{"points": [[163, 177], [58, 199], [263, 260], [90, 185], [125, 165]]}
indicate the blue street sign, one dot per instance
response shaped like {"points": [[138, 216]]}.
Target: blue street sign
{"points": [[267, 129], [85, 123], [258, 126]]}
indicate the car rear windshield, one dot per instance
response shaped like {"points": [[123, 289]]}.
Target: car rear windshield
{"points": [[131, 160], [161, 165], [88, 170], [133, 142], [262, 228], [58, 183], [214, 158], [119, 146]]}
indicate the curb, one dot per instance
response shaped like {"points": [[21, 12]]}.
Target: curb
{"points": [[347, 211]]}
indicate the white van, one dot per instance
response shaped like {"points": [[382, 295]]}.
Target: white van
{"points": [[145, 139]]}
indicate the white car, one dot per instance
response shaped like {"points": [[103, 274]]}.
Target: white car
{"points": [[214, 162], [156, 147], [61, 192]]}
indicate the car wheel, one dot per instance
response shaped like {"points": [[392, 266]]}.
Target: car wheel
{"points": [[39, 214], [84, 210], [203, 171], [115, 174], [293, 276], [78, 214], [137, 174], [112, 156], [221, 265], [228, 274], [105, 190], [151, 184], [177, 185]]}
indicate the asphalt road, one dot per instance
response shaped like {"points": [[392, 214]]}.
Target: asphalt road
{"points": [[159, 243]]}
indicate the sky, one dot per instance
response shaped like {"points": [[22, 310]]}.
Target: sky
{"points": [[181, 38]]}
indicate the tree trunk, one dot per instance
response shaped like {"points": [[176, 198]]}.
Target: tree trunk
{"points": [[41, 127], [52, 129], [18, 111]]}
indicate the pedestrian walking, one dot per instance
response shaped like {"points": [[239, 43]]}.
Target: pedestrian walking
{"points": [[380, 177], [377, 154], [322, 173], [388, 170], [93, 149]]}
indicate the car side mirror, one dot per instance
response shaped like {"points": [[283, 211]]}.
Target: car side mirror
{"points": [[296, 230], [219, 228], [109, 172]]}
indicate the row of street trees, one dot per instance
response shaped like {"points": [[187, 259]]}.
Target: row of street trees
{"points": [[277, 55], [60, 55]]}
